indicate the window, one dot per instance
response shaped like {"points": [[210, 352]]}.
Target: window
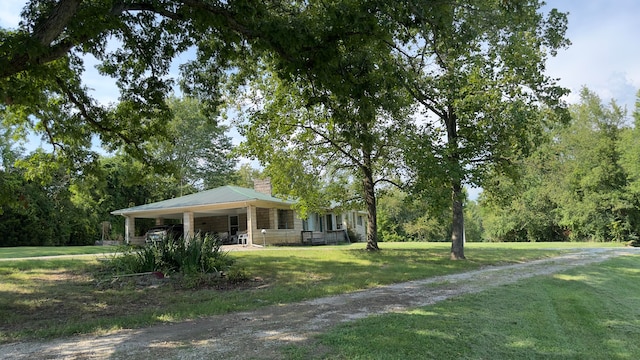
{"points": [[285, 219], [359, 220], [263, 220]]}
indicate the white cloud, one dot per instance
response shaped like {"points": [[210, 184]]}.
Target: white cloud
{"points": [[603, 55]]}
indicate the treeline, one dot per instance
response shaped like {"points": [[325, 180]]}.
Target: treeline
{"points": [[47, 200], [405, 218], [57, 209], [581, 184]]}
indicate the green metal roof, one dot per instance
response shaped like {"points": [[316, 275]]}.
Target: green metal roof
{"points": [[220, 195]]}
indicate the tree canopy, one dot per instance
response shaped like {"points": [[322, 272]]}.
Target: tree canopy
{"points": [[135, 42], [196, 150]]}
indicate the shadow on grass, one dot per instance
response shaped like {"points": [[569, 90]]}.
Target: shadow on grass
{"points": [[591, 312]]}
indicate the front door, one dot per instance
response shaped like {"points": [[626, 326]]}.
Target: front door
{"points": [[329, 222], [233, 225]]}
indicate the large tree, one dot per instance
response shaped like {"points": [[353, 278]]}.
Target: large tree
{"points": [[135, 42], [316, 153], [332, 113], [478, 69]]}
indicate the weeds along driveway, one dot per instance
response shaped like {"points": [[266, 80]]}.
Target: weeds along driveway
{"points": [[261, 333]]}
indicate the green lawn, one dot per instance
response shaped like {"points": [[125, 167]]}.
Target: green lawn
{"points": [[58, 297], [590, 312], [31, 251]]}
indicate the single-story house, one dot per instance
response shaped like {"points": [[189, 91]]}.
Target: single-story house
{"points": [[247, 216]]}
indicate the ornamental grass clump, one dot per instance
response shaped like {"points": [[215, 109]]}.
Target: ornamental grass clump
{"points": [[188, 257]]}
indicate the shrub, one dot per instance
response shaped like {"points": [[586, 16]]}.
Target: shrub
{"points": [[198, 255], [354, 237], [132, 260]]}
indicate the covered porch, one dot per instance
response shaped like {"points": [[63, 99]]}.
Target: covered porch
{"points": [[235, 214]]}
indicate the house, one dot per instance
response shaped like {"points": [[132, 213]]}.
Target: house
{"points": [[246, 216]]}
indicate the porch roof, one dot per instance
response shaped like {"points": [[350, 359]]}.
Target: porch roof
{"points": [[224, 197]]}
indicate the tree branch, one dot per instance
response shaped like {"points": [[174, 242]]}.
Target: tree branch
{"points": [[49, 133], [399, 186], [86, 114], [332, 142], [52, 26]]}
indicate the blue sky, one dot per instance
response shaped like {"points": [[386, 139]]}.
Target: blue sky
{"points": [[604, 55]]}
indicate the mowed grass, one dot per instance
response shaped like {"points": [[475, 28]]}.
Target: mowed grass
{"points": [[34, 251], [58, 297], [590, 312]]}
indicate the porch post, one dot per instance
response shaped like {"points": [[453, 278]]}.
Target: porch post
{"points": [[251, 224], [129, 228], [187, 222]]}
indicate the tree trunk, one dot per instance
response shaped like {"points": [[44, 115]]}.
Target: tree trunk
{"points": [[370, 201], [457, 231]]}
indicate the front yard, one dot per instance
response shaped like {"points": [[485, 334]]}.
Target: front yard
{"points": [[57, 297]]}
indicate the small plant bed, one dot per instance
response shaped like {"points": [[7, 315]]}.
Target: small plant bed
{"points": [[191, 256], [195, 263]]}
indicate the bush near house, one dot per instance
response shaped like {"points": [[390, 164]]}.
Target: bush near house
{"points": [[198, 258]]}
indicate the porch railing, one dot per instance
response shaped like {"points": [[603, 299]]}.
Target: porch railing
{"points": [[324, 238]]}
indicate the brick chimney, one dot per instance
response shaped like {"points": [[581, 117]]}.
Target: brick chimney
{"points": [[262, 186]]}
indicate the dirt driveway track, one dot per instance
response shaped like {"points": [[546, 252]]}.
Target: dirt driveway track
{"points": [[260, 333]]}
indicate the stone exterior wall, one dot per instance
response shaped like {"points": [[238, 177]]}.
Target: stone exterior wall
{"points": [[242, 222]]}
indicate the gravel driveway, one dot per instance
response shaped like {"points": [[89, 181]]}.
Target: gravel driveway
{"points": [[260, 333]]}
